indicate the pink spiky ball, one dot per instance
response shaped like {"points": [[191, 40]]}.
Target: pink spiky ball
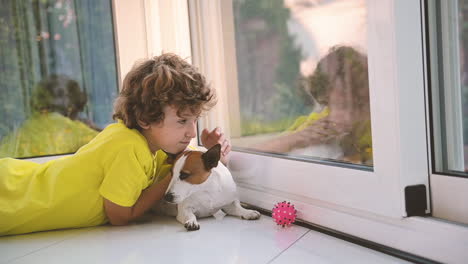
{"points": [[284, 213]]}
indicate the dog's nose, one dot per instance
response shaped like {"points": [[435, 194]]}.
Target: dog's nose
{"points": [[169, 197]]}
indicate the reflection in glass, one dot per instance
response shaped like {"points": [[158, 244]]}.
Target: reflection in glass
{"points": [[58, 77], [303, 79]]}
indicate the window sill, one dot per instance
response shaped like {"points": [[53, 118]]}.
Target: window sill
{"points": [[427, 237]]}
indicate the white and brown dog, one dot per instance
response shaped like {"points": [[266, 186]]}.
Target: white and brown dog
{"points": [[200, 187]]}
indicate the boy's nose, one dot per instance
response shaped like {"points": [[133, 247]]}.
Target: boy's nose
{"points": [[192, 131]]}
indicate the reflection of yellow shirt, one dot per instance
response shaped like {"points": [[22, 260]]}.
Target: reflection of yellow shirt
{"points": [[46, 134], [304, 121], [357, 145], [68, 192]]}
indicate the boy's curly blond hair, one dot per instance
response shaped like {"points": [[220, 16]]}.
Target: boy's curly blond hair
{"points": [[165, 80]]}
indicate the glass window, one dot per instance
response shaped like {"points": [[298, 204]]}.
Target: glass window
{"points": [[58, 75], [448, 42], [303, 79], [396, 83]]}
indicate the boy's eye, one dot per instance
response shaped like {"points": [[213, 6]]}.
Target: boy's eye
{"points": [[182, 121]]}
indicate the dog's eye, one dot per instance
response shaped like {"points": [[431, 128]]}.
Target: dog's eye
{"points": [[184, 175]]}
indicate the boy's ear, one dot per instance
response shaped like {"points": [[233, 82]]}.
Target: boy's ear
{"points": [[211, 157], [142, 124]]}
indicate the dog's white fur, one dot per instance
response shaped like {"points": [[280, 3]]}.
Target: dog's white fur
{"points": [[218, 192]]}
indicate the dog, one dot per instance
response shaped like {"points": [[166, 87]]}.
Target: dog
{"points": [[200, 187]]}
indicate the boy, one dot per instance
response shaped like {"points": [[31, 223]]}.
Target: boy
{"points": [[122, 172]]}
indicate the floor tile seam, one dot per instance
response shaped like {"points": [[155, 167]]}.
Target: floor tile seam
{"points": [[284, 250], [39, 249]]}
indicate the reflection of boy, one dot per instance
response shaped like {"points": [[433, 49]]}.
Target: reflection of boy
{"points": [[60, 94], [123, 171], [52, 128], [340, 84]]}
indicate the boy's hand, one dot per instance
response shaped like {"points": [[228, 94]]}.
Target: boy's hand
{"points": [[209, 139]]}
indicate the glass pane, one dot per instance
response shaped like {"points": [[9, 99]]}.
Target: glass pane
{"points": [[58, 75], [448, 38], [303, 79]]}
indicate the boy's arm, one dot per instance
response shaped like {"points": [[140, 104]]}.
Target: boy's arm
{"points": [[120, 215]]}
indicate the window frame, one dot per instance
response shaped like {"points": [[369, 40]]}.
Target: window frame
{"points": [[445, 49], [396, 164], [446, 187], [139, 34]]}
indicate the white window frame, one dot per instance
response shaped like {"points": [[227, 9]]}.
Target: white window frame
{"points": [[395, 105], [139, 34], [367, 204], [452, 93], [447, 191]]}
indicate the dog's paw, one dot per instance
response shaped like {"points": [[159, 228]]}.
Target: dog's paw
{"points": [[250, 215], [192, 225]]}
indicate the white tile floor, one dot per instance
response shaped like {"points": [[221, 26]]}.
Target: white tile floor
{"points": [[163, 240]]}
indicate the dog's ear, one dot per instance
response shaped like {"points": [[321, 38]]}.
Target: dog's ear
{"points": [[212, 156]]}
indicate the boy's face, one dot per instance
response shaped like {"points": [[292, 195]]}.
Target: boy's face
{"points": [[173, 134]]}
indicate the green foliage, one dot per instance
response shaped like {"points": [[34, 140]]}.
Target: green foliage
{"points": [[44, 37], [288, 103], [268, 66]]}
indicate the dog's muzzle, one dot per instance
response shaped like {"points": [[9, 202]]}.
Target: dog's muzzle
{"points": [[169, 197]]}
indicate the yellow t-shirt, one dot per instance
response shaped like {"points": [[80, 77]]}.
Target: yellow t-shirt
{"points": [[68, 192]]}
